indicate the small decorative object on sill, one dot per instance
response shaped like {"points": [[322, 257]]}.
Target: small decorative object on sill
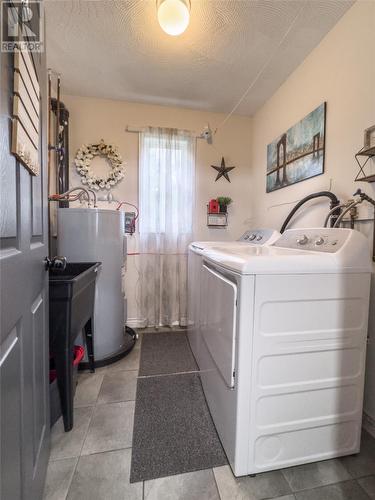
{"points": [[213, 207], [222, 170], [368, 152], [83, 160], [224, 202]]}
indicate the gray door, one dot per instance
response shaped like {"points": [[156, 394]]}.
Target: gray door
{"points": [[24, 384]]}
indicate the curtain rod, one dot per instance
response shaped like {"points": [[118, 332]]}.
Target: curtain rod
{"points": [[137, 130]]}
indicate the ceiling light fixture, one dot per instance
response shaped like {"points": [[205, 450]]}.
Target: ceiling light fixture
{"points": [[173, 15]]}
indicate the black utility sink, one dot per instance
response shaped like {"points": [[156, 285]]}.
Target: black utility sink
{"points": [[71, 309], [75, 275]]}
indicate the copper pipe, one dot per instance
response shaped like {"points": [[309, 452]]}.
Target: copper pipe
{"points": [[57, 132], [66, 196], [49, 129], [49, 160], [59, 197]]}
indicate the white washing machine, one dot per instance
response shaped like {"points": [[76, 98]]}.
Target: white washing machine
{"points": [[257, 237], [285, 326]]}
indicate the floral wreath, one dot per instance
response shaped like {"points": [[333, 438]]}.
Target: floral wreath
{"points": [[84, 157]]}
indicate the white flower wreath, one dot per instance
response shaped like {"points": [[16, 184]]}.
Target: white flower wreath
{"points": [[83, 160]]}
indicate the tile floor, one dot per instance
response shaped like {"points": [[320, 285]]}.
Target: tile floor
{"points": [[93, 461]]}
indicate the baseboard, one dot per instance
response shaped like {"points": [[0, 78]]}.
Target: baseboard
{"points": [[141, 323], [369, 424], [136, 323]]}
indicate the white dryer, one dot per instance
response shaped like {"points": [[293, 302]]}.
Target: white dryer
{"points": [[255, 237], [285, 326]]}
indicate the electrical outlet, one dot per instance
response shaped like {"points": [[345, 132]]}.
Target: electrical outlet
{"points": [[370, 211], [353, 212]]}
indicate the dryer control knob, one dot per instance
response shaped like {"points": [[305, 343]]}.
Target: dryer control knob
{"points": [[259, 237], [303, 240], [252, 237], [319, 241]]}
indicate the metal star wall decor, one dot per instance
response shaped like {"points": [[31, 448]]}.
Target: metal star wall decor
{"points": [[222, 170]]}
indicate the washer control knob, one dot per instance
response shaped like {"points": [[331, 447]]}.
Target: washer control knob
{"points": [[246, 237], [259, 237], [303, 240], [252, 237], [319, 241]]}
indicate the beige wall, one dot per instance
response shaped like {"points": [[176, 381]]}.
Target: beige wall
{"points": [[340, 71], [95, 119]]}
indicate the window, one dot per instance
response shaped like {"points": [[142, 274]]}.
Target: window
{"points": [[167, 164], [166, 192]]}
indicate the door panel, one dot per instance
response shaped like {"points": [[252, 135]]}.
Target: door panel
{"points": [[10, 417], [219, 332], [39, 375], [24, 382], [8, 203], [37, 206]]}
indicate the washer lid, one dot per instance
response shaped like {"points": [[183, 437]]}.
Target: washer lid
{"points": [[320, 250]]}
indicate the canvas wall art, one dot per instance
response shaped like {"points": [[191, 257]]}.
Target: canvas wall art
{"points": [[298, 154]]}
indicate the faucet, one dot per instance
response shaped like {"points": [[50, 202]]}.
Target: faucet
{"points": [[362, 197], [83, 193], [93, 195]]}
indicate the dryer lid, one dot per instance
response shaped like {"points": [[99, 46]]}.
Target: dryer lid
{"points": [[257, 237]]}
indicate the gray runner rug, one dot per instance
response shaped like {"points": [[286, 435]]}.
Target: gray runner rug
{"points": [[166, 352], [173, 429]]}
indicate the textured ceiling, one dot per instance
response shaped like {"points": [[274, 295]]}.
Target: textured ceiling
{"points": [[116, 49]]}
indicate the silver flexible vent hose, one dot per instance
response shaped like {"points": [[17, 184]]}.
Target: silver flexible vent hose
{"points": [[343, 205]]}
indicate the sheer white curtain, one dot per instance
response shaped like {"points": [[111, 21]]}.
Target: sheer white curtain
{"points": [[166, 195]]}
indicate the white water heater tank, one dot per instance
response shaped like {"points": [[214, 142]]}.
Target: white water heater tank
{"points": [[97, 235]]}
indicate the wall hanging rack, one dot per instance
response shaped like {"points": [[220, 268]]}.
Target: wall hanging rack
{"points": [[364, 155], [217, 220]]}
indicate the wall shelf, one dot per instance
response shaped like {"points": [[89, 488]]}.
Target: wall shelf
{"points": [[368, 153], [369, 178], [217, 219]]}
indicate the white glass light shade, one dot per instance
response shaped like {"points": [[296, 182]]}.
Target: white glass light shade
{"points": [[173, 16]]}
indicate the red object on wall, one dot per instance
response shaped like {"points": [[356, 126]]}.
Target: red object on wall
{"points": [[213, 207]]}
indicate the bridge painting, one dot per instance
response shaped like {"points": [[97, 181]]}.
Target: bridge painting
{"points": [[298, 154]]}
